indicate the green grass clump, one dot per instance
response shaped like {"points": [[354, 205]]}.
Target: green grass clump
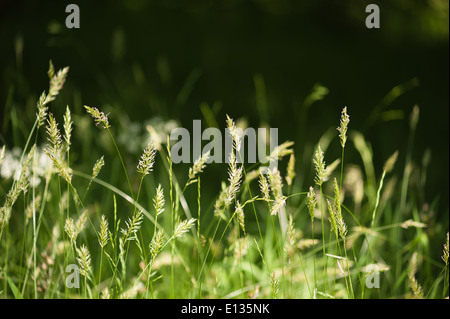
{"points": [[145, 228]]}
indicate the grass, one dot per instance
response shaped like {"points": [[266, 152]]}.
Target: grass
{"points": [[148, 228]]}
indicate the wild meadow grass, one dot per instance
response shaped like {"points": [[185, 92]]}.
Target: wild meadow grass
{"points": [[141, 229]]}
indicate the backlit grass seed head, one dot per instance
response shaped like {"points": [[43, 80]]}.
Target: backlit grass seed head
{"points": [[5, 215], [133, 291], [133, 225], [234, 179], [337, 197], [99, 117], [84, 260], [158, 201], [240, 215], [70, 229], [67, 126], [333, 223], [389, 164], [345, 119], [62, 168], [235, 182], [81, 221], [147, 160], [274, 283], [42, 110], [235, 133], [291, 231], [416, 288], [54, 136], [264, 187], [198, 167], [412, 223], [21, 185], [157, 244], [219, 205], [319, 164], [311, 202], [97, 167], [276, 183], [277, 205], [53, 150], [445, 252], [104, 233], [73, 228], [342, 227], [56, 83], [281, 151], [183, 227], [290, 174]]}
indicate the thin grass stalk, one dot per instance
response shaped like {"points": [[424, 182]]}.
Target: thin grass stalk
{"points": [[198, 225], [323, 240], [121, 161]]}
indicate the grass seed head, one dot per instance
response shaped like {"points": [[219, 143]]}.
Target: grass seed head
{"points": [[42, 110], [277, 205], [311, 202], [104, 232], [198, 167], [281, 151], [319, 163], [84, 260], [291, 231], [158, 201], [389, 164], [333, 223], [70, 229], [157, 244], [274, 283], [276, 183], [97, 167], [147, 160], [234, 179], [56, 83], [290, 174], [183, 227], [240, 215], [264, 187], [67, 126], [445, 251], [416, 288], [99, 117], [54, 136], [235, 133], [345, 119], [133, 225]]}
